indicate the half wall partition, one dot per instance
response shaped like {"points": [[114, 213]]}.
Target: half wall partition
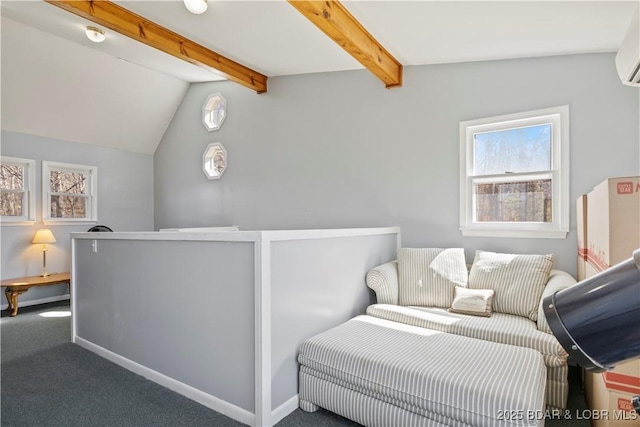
{"points": [[218, 316]]}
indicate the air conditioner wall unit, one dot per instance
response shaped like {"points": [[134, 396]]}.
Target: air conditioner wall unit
{"points": [[628, 57]]}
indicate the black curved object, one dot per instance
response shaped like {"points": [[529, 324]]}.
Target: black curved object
{"points": [[99, 228], [597, 321]]}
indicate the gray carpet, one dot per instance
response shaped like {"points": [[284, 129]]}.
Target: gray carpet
{"points": [[48, 381]]}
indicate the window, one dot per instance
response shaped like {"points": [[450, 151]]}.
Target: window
{"points": [[514, 175], [69, 193], [17, 191], [214, 111]]}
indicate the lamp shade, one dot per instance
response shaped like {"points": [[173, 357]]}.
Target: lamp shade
{"points": [[43, 236]]}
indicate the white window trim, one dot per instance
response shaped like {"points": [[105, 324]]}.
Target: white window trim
{"points": [[558, 229], [46, 200], [30, 188]]}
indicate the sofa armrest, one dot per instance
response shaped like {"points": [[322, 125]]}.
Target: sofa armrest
{"points": [[383, 279], [558, 280]]}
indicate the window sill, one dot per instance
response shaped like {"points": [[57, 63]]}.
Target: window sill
{"points": [[4, 222], [69, 222], [527, 234]]}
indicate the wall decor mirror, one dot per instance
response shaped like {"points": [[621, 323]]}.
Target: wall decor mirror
{"points": [[214, 111], [214, 160]]}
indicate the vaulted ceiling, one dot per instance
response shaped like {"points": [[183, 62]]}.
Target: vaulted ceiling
{"points": [[123, 94]]}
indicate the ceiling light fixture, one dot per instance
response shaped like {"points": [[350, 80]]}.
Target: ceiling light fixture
{"points": [[95, 34], [196, 6]]}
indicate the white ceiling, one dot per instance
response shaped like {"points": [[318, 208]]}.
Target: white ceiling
{"points": [[63, 90], [271, 37]]}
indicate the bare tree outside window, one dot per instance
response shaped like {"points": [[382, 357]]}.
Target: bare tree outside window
{"points": [[68, 194], [11, 190], [528, 201], [524, 150]]}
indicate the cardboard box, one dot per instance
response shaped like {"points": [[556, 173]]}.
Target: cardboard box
{"points": [[581, 227], [609, 396], [582, 268], [589, 270], [613, 221], [612, 234]]}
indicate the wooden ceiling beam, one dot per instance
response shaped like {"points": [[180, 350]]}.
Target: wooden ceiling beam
{"points": [[334, 20], [121, 20]]}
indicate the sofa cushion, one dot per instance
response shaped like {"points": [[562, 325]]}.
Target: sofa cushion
{"points": [[518, 280], [428, 276], [500, 327], [476, 302]]}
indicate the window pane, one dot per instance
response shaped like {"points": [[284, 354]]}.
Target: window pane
{"points": [[68, 207], [67, 182], [11, 177], [11, 204], [526, 149], [528, 201]]}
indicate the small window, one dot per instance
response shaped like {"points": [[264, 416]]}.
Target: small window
{"points": [[214, 160], [69, 193], [214, 111], [17, 191], [514, 175]]}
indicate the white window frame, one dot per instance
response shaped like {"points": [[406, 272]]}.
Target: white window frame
{"points": [[92, 193], [28, 216], [559, 227]]}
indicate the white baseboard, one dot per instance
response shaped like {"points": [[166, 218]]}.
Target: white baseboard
{"points": [[285, 409], [37, 301], [212, 402]]}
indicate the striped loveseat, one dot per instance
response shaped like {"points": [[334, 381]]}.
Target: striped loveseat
{"points": [[404, 290]]}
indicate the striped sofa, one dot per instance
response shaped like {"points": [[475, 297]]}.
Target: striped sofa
{"points": [[500, 328]]}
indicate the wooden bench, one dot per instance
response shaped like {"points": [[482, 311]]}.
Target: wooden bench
{"points": [[21, 285]]}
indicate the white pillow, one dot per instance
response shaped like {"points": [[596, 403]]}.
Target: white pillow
{"points": [[476, 302], [428, 276], [518, 280]]}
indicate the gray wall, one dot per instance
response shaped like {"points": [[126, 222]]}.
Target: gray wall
{"points": [[317, 284], [125, 203], [339, 150], [189, 317]]}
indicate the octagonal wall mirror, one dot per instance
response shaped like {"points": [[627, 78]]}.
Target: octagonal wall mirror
{"points": [[214, 111], [214, 160]]}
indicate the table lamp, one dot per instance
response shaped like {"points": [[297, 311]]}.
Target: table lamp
{"points": [[44, 236]]}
